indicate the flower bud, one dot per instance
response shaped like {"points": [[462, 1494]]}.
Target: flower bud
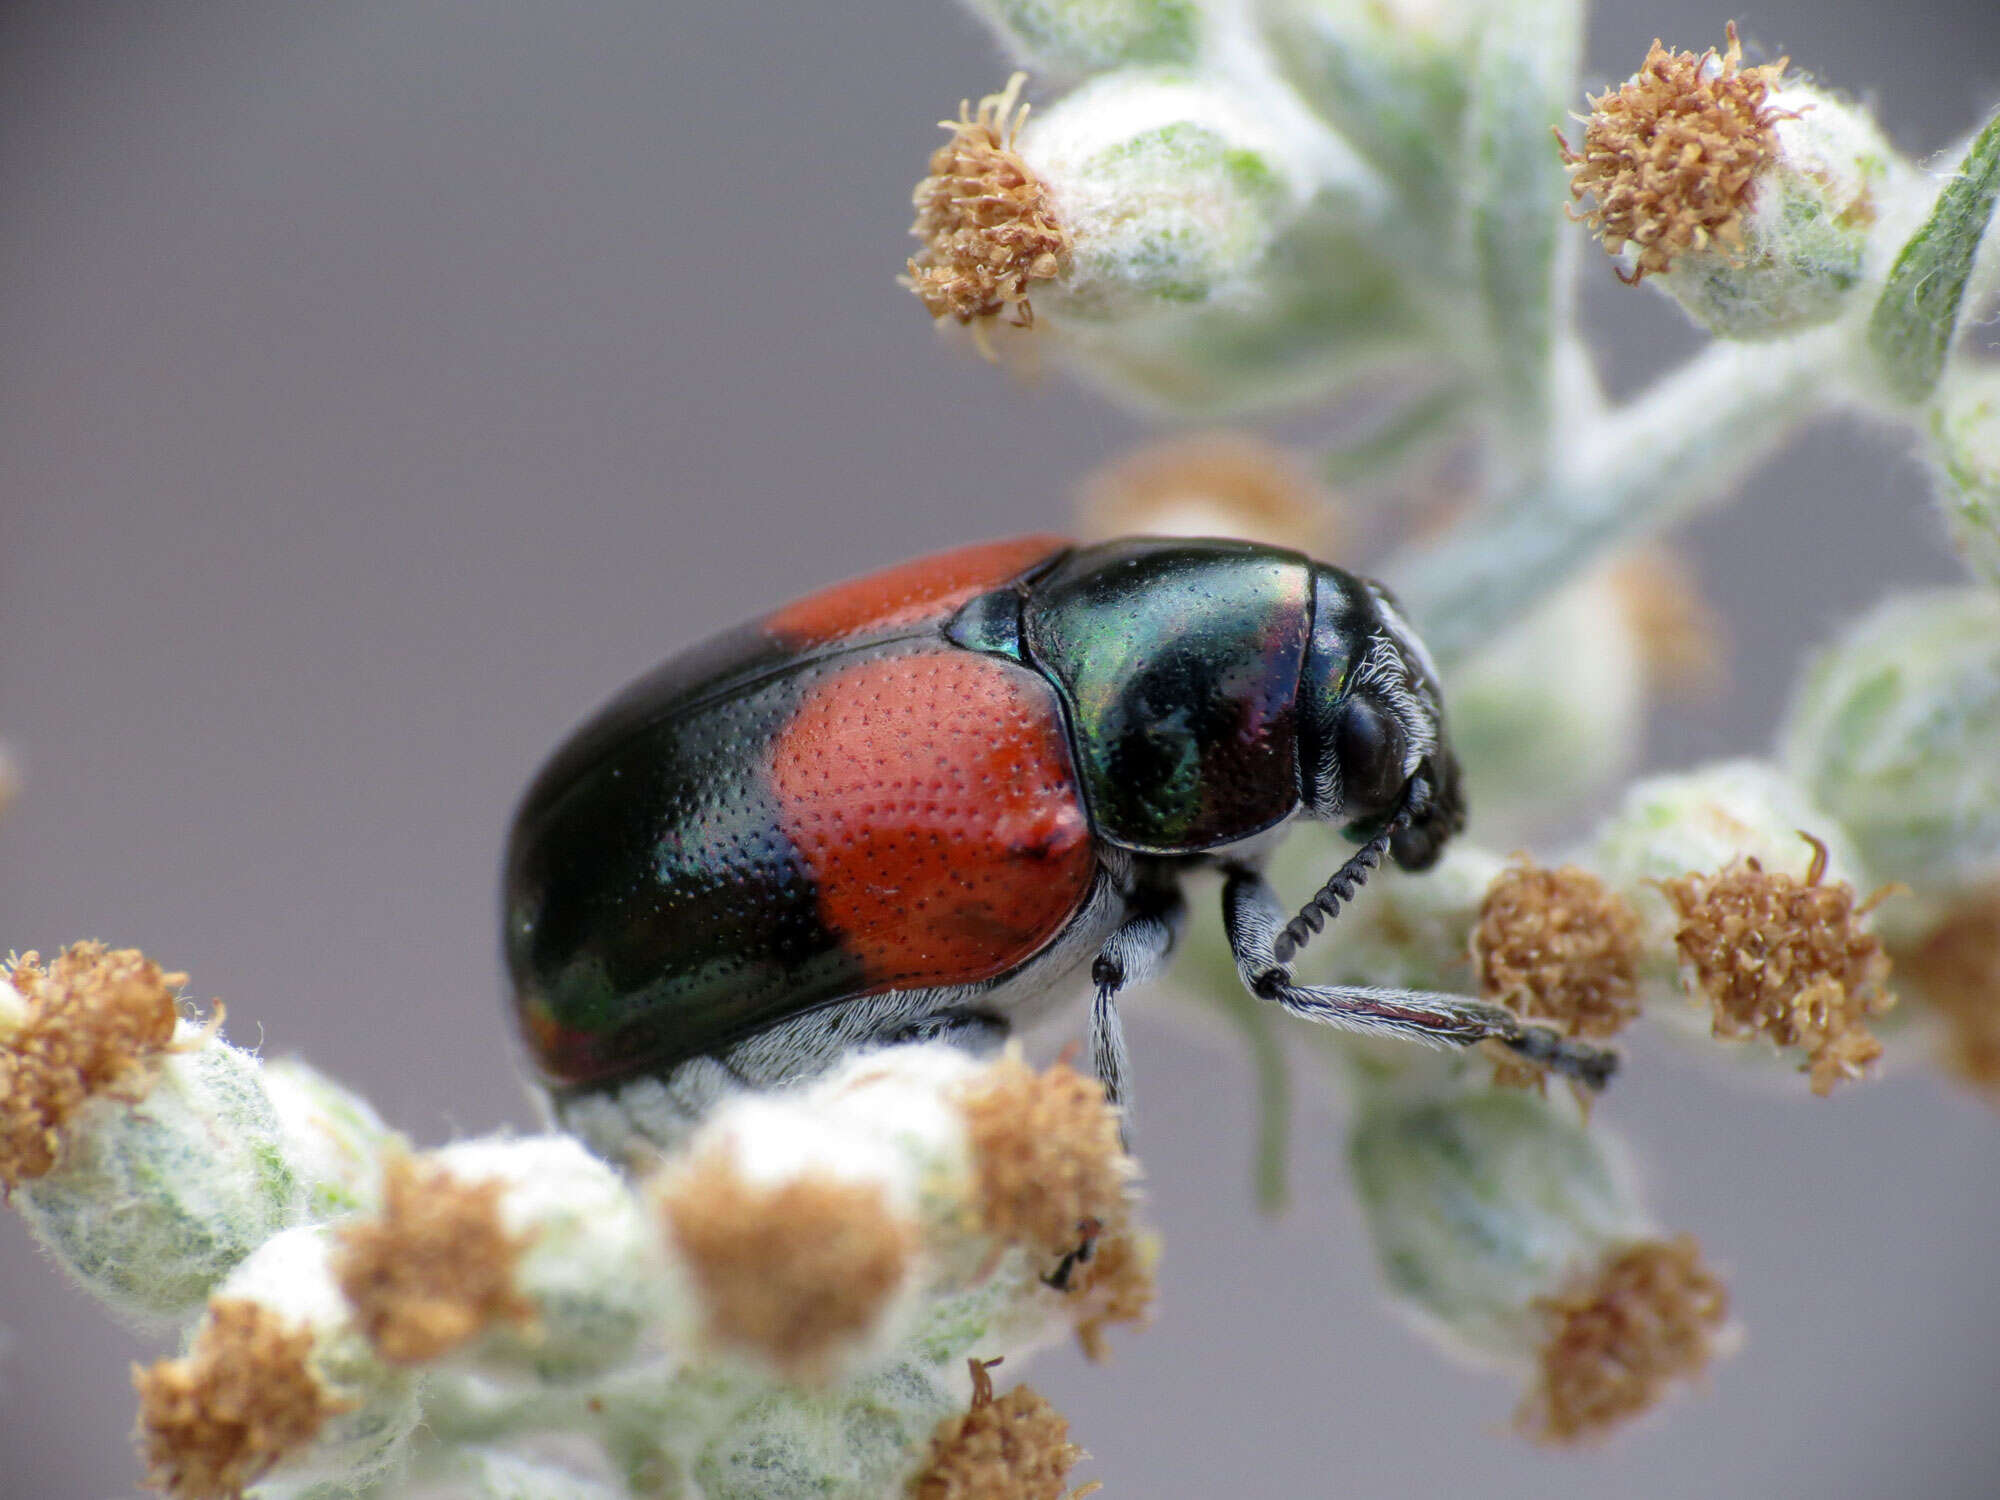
{"points": [[148, 1157], [1067, 38], [1211, 484], [1512, 1235], [1551, 710], [852, 1442], [1894, 731], [1173, 192], [1017, 1445], [1705, 820], [511, 1256], [1755, 200], [1750, 905], [483, 1473], [1954, 970], [280, 1388], [1964, 452], [333, 1138], [1138, 193]]}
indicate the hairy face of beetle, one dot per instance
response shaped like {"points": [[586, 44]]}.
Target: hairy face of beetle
{"points": [[1378, 755]]}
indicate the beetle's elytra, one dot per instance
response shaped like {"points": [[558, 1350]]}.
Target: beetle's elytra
{"points": [[914, 805]]}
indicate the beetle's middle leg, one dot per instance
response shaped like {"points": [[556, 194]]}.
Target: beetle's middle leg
{"points": [[1132, 955], [1253, 917]]}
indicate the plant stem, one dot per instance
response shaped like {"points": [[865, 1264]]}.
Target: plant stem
{"points": [[1642, 468]]}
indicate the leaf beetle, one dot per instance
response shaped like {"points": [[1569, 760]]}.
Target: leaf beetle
{"points": [[921, 804]]}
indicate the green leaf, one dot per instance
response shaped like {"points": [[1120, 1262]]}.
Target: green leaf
{"points": [[1911, 328]]}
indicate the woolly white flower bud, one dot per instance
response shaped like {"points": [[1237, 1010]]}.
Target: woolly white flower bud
{"points": [[1172, 191], [1512, 1234], [1964, 451], [1811, 232], [1065, 38], [1705, 820], [792, 1236], [1551, 710], [587, 1270], [479, 1473], [853, 1442], [153, 1201], [333, 1138], [1894, 730], [281, 1341], [1761, 204], [1480, 1202]]}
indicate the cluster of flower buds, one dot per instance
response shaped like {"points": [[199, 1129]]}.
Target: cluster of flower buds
{"points": [[1239, 206], [797, 1293]]}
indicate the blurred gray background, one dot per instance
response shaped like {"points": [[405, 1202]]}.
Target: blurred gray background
{"points": [[382, 384]]}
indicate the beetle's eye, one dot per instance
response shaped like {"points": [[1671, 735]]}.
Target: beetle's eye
{"points": [[1370, 746]]}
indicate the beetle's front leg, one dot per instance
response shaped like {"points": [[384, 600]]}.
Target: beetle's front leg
{"points": [[1253, 917]]}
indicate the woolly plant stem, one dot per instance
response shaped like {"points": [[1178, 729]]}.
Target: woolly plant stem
{"points": [[1647, 466]]}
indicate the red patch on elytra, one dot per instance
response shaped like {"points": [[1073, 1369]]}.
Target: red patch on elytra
{"points": [[932, 796], [923, 589]]}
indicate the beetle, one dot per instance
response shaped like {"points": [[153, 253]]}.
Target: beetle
{"points": [[919, 805]]}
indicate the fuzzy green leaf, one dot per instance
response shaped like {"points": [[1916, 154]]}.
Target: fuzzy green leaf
{"points": [[1911, 328]]}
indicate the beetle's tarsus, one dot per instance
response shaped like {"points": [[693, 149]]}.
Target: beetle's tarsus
{"points": [[1087, 1230], [1588, 1065], [1251, 914]]}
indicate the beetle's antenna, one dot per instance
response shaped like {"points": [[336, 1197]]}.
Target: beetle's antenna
{"points": [[1350, 877]]}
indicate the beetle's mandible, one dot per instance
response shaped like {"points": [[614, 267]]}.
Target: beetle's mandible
{"points": [[920, 804]]}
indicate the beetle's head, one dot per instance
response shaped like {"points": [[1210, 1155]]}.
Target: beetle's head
{"points": [[1376, 755]]}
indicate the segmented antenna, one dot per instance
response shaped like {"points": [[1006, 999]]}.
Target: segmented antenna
{"points": [[1349, 878]]}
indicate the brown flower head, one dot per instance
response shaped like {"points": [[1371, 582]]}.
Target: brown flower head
{"points": [[1211, 484], [1957, 969], [1558, 946], [1671, 156], [1015, 1447], [1679, 632], [1046, 1150], [1787, 959], [434, 1267], [1114, 1286], [94, 1022], [244, 1397], [793, 1270], [984, 217], [1618, 1336]]}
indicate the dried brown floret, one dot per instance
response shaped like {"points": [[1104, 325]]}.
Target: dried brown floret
{"points": [[1558, 946], [94, 1022], [1957, 969], [1624, 1330], [1679, 632], [1114, 1286], [985, 218], [1015, 1447], [1671, 156], [794, 1270], [1211, 484], [434, 1267], [1787, 959], [244, 1397], [1047, 1153]]}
